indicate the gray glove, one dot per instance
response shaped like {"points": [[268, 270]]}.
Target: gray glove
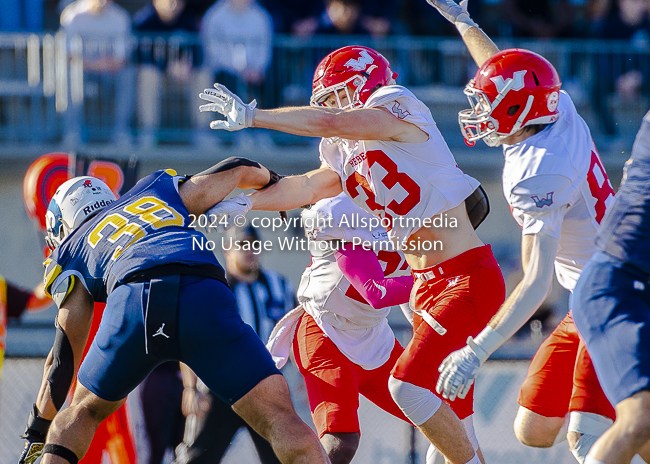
{"points": [[455, 13], [238, 114]]}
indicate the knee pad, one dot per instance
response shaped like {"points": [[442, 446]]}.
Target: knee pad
{"points": [[62, 371], [591, 426], [418, 404], [468, 423], [434, 456]]}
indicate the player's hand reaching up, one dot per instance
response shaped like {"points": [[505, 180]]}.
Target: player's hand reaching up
{"points": [[455, 13], [230, 212], [449, 9], [458, 371], [238, 114]]}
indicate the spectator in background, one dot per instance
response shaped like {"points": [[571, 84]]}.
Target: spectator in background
{"points": [[625, 74], [297, 17], [263, 297], [342, 17], [378, 16], [172, 57], [105, 31], [237, 39], [541, 19]]}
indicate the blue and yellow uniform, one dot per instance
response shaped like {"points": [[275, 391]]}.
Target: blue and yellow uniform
{"points": [[611, 302], [167, 298]]}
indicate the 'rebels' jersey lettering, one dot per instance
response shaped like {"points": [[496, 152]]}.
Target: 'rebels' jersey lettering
{"points": [[146, 228], [395, 180], [555, 184]]}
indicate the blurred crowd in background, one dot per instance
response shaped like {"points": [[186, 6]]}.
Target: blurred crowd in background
{"points": [[140, 47], [543, 19]]}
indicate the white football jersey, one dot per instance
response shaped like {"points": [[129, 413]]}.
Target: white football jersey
{"points": [[555, 183], [403, 182], [361, 332]]}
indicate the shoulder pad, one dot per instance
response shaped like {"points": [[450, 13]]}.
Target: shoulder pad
{"points": [[387, 94], [541, 193], [52, 271], [62, 290], [402, 104]]}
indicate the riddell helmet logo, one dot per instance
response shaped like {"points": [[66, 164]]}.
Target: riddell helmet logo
{"points": [[361, 63], [87, 183], [97, 205], [517, 77]]}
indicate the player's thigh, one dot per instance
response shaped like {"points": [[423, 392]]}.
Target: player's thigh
{"points": [[117, 361], [268, 401], [547, 388], [373, 384], [459, 306], [612, 307], [222, 350], [331, 380]]}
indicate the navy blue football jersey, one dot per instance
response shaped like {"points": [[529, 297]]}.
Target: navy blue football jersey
{"points": [[625, 233], [146, 228]]}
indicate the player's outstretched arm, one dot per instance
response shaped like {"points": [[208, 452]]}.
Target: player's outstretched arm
{"points": [[459, 369], [320, 121], [204, 190], [72, 328], [287, 193], [480, 46], [292, 192]]}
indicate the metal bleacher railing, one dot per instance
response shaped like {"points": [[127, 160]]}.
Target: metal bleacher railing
{"points": [[42, 78]]}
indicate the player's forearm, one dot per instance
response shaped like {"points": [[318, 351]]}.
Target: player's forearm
{"points": [[253, 177], [364, 272], [295, 191], [44, 403], [479, 45], [519, 307], [302, 120], [289, 193]]}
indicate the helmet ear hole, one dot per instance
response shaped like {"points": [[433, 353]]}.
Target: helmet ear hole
{"points": [[513, 110]]}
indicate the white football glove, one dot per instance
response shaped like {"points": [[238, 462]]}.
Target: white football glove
{"points": [[231, 212], [455, 13], [458, 371], [238, 114]]}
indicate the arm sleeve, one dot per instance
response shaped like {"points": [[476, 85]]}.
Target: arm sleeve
{"points": [[361, 267]]}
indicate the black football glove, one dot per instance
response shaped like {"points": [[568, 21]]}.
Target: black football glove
{"points": [[35, 434]]}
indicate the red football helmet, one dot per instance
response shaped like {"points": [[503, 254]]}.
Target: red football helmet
{"points": [[513, 89], [354, 68]]}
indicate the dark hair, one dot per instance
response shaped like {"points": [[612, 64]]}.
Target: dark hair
{"points": [[536, 128]]}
